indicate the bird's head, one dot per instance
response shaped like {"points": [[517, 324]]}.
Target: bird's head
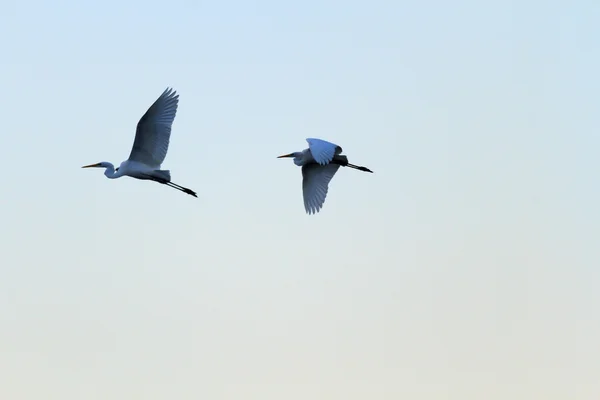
{"points": [[102, 164], [287, 155], [291, 155], [297, 156]]}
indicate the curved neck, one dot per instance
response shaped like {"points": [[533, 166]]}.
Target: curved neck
{"points": [[109, 172]]}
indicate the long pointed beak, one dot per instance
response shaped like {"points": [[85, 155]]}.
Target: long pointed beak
{"points": [[91, 165], [286, 155]]}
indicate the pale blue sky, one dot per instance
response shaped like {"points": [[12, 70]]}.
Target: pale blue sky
{"points": [[465, 267]]}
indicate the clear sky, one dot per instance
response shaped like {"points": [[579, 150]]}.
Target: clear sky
{"points": [[465, 268]]}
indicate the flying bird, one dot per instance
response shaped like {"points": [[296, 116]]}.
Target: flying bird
{"points": [[319, 164], [150, 145]]}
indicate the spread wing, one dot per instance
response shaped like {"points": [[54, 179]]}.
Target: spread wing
{"points": [[315, 184], [323, 151], [154, 130]]}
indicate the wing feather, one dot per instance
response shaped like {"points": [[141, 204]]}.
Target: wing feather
{"points": [[154, 130], [315, 184], [322, 150]]}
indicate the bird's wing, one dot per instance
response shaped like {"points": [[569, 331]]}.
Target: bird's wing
{"points": [[154, 130], [323, 151], [315, 184]]}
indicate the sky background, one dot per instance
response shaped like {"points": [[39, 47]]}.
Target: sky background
{"points": [[465, 268]]}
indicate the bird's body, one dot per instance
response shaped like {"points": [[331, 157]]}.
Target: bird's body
{"points": [[150, 145], [319, 164]]}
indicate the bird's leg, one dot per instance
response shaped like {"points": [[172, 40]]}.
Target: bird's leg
{"points": [[343, 161], [173, 185], [365, 169], [183, 189]]}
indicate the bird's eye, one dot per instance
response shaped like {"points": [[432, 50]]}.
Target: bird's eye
{"points": [[116, 169]]}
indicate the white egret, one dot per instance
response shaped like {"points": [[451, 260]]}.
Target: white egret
{"points": [[319, 164], [150, 145]]}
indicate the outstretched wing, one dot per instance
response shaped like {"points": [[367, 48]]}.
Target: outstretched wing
{"points": [[154, 130], [315, 184], [323, 151]]}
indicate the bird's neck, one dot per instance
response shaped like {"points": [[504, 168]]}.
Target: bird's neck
{"points": [[299, 158], [109, 172]]}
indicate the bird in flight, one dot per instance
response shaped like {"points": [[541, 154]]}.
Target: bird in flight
{"points": [[319, 164], [150, 145]]}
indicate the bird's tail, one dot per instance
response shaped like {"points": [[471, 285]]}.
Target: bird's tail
{"points": [[164, 174]]}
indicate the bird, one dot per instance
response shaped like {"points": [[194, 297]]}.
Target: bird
{"points": [[319, 164], [150, 146]]}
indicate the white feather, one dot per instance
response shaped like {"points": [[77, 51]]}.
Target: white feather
{"points": [[315, 184], [154, 131], [322, 150]]}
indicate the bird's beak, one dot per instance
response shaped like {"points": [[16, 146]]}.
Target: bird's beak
{"points": [[286, 155], [91, 165]]}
